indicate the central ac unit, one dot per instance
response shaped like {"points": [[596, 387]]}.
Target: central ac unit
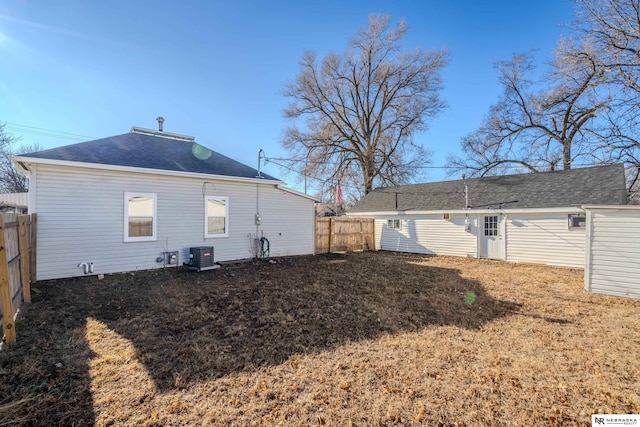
{"points": [[201, 258]]}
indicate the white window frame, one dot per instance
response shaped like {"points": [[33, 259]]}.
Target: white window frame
{"points": [[570, 218], [154, 236], [394, 221], [225, 199]]}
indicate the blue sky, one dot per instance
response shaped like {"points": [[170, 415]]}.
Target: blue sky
{"points": [[216, 70]]}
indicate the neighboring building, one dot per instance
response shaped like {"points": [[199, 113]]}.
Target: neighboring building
{"points": [[533, 218], [14, 202], [326, 209], [126, 202]]}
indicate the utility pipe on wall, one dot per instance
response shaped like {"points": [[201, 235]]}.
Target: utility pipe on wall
{"points": [[85, 266]]}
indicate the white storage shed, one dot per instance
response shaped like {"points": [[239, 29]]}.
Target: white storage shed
{"points": [[613, 250]]}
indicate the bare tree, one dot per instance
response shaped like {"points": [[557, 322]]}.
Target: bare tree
{"points": [[12, 181], [541, 125], [362, 109], [613, 28]]}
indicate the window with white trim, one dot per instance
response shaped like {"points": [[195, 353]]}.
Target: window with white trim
{"points": [[140, 217], [393, 224], [216, 217], [577, 221]]}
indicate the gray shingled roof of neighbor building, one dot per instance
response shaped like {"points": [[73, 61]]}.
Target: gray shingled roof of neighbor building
{"points": [[600, 185], [151, 151]]}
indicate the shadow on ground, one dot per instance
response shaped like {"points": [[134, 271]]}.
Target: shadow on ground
{"points": [[201, 326]]}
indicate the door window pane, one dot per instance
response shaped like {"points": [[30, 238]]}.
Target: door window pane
{"points": [[491, 225]]}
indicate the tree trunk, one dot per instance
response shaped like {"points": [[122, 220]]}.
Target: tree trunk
{"points": [[566, 158]]}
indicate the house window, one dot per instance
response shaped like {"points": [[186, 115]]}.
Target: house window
{"points": [[393, 224], [139, 217], [577, 221], [216, 217]]}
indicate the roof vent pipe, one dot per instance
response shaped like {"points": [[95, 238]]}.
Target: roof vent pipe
{"points": [[160, 122], [466, 192]]}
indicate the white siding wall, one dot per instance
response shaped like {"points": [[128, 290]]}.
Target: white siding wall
{"points": [[614, 258], [81, 219], [428, 234], [544, 238], [533, 237]]}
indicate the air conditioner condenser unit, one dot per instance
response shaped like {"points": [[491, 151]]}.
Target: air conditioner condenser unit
{"points": [[201, 258]]}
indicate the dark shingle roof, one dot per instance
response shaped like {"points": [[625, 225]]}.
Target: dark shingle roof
{"points": [[601, 185], [150, 151]]}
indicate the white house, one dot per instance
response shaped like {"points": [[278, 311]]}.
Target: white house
{"points": [[533, 218], [130, 201]]}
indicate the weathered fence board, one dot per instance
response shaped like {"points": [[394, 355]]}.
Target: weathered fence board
{"points": [[17, 268], [344, 235]]}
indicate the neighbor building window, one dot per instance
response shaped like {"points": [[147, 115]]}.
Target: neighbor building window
{"points": [[216, 218], [393, 224], [139, 217], [577, 221], [491, 225]]}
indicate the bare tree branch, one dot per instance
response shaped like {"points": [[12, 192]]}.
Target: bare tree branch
{"points": [[12, 181], [543, 125]]}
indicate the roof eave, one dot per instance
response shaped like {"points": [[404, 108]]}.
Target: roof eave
{"points": [[620, 207], [21, 166], [86, 165], [297, 193], [569, 209]]}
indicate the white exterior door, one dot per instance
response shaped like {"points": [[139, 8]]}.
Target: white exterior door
{"points": [[491, 241]]}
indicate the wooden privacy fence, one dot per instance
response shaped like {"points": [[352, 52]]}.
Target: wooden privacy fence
{"points": [[344, 235], [17, 268]]}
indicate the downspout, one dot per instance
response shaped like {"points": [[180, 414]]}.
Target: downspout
{"points": [[479, 231], [258, 218], [33, 187]]}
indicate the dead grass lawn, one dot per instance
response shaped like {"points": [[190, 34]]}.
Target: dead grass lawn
{"points": [[358, 339]]}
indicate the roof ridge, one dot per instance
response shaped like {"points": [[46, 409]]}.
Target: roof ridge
{"points": [[162, 134], [479, 178]]}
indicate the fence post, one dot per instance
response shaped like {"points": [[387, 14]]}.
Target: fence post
{"points": [[5, 290], [330, 233], [32, 246], [23, 245]]}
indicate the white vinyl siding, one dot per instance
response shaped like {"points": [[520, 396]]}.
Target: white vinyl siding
{"points": [[541, 237], [614, 252], [80, 219], [429, 234], [545, 239]]}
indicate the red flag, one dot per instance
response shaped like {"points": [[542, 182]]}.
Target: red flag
{"points": [[339, 198]]}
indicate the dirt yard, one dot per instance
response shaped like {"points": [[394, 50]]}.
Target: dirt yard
{"points": [[368, 339]]}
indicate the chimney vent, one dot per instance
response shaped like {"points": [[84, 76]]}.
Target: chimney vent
{"points": [[160, 122]]}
